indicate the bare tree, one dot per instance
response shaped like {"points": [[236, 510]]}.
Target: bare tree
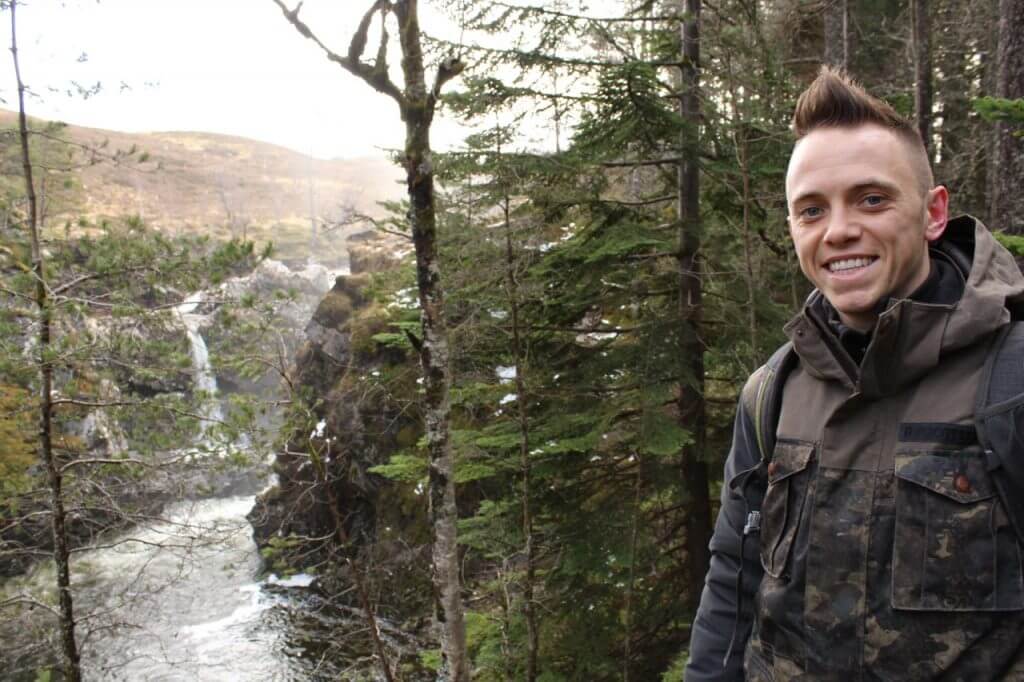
{"points": [[417, 102], [61, 554]]}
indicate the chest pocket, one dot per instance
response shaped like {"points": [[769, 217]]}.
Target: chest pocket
{"points": [[788, 481], [954, 547]]}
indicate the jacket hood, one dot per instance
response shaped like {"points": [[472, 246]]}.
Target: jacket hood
{"points": [[910, 337]]}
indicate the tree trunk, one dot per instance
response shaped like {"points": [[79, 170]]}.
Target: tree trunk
{"points": [[418, 113], [1007, 200], [922, 48], [417, 104], [525, 468], [836, 16], [61, 552], [691, 381]]}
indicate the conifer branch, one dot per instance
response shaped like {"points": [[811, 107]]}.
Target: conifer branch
{"points": [[533, 9]]}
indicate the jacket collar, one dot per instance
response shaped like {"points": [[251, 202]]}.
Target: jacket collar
{"points": [[910, 337]]}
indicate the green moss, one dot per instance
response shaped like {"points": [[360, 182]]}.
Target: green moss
{"points": [[334, 309], [368, 323]]}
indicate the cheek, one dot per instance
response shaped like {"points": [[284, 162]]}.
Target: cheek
{"points": [[805, 254]]}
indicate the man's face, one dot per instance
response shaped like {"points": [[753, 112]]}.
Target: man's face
{"points": [[859, 218]]}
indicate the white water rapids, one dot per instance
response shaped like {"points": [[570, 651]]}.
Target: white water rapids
{"points": [[182, 602]]}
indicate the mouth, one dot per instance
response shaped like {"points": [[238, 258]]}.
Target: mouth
{"points": [[849, 266]]}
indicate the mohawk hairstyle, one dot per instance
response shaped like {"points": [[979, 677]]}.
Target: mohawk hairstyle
{"points": [[834, 100]]}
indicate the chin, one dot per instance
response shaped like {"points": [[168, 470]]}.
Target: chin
{"points": [[854, 309]]}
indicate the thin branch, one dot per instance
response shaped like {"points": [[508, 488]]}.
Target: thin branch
{"points": [[647, 162], [30, 601], [372, 75], [110, 460], [449, 69], [98, 275]]}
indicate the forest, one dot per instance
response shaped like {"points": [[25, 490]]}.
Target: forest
{"points": [[492, 447]]}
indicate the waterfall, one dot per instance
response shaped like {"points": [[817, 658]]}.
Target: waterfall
{"points": [[202, 372]]}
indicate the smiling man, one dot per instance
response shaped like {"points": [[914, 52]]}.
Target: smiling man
{"points": [[869, 543]]}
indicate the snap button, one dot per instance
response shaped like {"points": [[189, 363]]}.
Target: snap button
{"points": [[962, 483]]}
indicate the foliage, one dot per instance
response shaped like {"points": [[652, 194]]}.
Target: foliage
{"points": [[1013, 243], [996, 109], [17, 450]]}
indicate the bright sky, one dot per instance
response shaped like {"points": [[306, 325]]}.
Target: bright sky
{"points": [[225, 66]]}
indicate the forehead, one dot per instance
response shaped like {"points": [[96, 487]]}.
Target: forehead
{"points": [[832, 159]]}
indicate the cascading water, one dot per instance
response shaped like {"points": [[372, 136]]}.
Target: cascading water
{"points": [[180, 597], [205, 380]]}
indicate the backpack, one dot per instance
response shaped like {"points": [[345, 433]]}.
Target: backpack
{"points": [[997, 413]]}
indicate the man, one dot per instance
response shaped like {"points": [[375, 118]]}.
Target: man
{"points": [[884, 552]]}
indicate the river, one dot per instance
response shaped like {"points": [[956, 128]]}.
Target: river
{"points": [[182, 598]]}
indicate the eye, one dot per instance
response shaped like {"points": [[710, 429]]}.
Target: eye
{"points": [[811, 213], [874, 200]]}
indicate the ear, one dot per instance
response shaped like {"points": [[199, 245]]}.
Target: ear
{"points": [[937, 208]]}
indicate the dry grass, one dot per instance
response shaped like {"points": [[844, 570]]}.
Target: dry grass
{"points": [[222, 186]]}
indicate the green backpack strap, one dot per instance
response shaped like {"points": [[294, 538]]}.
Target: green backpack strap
{"points": [[762, 397], [999, 419]]}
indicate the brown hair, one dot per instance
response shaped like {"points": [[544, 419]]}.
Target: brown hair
{"points": [[834, 100]]}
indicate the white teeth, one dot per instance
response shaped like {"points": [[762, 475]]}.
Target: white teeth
{"points": [[849, 264]]}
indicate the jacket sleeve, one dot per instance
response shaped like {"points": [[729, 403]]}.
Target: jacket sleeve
{"points": [[716, 618]]}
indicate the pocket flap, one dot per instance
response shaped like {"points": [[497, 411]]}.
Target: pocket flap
{"points": [[960, 477], [789, 458]]}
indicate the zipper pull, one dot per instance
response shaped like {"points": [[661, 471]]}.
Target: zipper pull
{"points": [[753, 524]]}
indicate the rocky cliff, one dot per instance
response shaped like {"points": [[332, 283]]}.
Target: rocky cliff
{"points": [[353, 406]]}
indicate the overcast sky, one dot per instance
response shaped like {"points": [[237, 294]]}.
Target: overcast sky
{"points": [[224, 66]]}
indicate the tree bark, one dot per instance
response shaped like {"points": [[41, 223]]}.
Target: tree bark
{"points": [[922, 48], [836, 16], [691, 381], [525, 468], [417, 103], [418, 113], [61, 553], [1007, 200]]}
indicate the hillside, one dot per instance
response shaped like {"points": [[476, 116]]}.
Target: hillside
{"points": [[218, 184]]}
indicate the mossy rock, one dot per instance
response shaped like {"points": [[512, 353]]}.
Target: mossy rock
{"points": [[339, 304], [333, 310]]}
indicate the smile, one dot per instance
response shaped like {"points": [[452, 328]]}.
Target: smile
{"points": [[849, 264]]}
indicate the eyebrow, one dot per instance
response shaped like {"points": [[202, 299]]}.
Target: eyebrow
{"points": [[871, 183]]}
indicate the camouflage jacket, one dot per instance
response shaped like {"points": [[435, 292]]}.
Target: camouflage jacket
{"points": [[884, 553]]}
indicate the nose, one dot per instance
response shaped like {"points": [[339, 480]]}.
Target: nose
{"points": [[842, 227]]}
